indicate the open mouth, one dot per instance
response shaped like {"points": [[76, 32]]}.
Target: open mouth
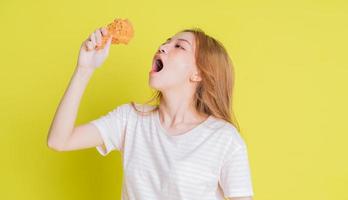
{"points": [[158, 65]]}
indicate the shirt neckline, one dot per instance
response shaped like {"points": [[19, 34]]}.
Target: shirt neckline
{"points": [[182, 135]]}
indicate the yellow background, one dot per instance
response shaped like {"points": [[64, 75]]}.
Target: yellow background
{"points": [[290, 98]]}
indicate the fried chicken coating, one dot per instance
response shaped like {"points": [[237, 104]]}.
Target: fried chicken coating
{"points": [[121, 31]]}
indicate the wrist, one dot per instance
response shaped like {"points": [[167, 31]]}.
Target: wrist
{"points": [[84, 71]]}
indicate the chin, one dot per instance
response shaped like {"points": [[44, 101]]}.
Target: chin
{"points": [[154, 85]]}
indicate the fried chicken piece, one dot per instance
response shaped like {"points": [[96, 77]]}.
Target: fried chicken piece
{"points": [[121, 31]]}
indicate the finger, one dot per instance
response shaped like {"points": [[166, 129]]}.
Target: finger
{"points": [[84, 45], [95, 36], [90, 45], [107, 45], [92, 38], [98, 37], [104, 31]]}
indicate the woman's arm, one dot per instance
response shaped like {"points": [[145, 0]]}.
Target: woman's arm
{"points": [[240, 198], [62, 127], [64, 120]]}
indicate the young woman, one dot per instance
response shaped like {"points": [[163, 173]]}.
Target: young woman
{"points": [[187, 146]]}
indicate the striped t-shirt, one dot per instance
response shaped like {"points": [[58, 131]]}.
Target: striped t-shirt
{"points": [[208, 162]]}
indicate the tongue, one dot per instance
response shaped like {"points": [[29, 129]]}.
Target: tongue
{"points": [[154, 68]]}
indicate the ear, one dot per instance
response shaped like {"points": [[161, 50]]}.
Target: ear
{"points": [[195, 77]]}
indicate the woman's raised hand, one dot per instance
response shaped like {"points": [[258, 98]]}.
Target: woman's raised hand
{"points": [[89, 56]]}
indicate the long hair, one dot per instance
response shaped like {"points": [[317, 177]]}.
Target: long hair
{"points": [[213, 94]]}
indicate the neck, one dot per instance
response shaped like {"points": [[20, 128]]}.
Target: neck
{"points": [[175, 109]]}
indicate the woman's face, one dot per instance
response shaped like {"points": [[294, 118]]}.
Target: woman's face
{"points": [[179, 68]]}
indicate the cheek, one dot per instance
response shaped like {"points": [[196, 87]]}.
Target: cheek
{"points": [[174, 76], [179, 72], [181, 68], [178, 69]]}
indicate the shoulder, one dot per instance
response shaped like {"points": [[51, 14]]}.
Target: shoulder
{"points": [[231, 135], [124, 108], [135, 108], [142, 107]]}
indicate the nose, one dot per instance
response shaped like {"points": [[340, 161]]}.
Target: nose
{"points": [[162, 49]]}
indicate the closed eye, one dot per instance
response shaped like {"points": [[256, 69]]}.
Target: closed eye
{"points": [[179, 46]]}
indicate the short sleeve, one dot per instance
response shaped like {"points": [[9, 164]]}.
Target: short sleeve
{"points": [[235, 177], [112, 129]]}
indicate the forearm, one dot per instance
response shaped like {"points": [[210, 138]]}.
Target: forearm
{"points": [[240, 198], [64, 119]]}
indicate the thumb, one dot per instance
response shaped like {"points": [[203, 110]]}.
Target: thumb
{"points": [[108, 43]]}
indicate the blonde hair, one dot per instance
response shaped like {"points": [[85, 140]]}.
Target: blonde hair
{"points": [[213, 95]]}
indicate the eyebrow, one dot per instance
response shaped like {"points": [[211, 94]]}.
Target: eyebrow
{"points": [[181, 39]]}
